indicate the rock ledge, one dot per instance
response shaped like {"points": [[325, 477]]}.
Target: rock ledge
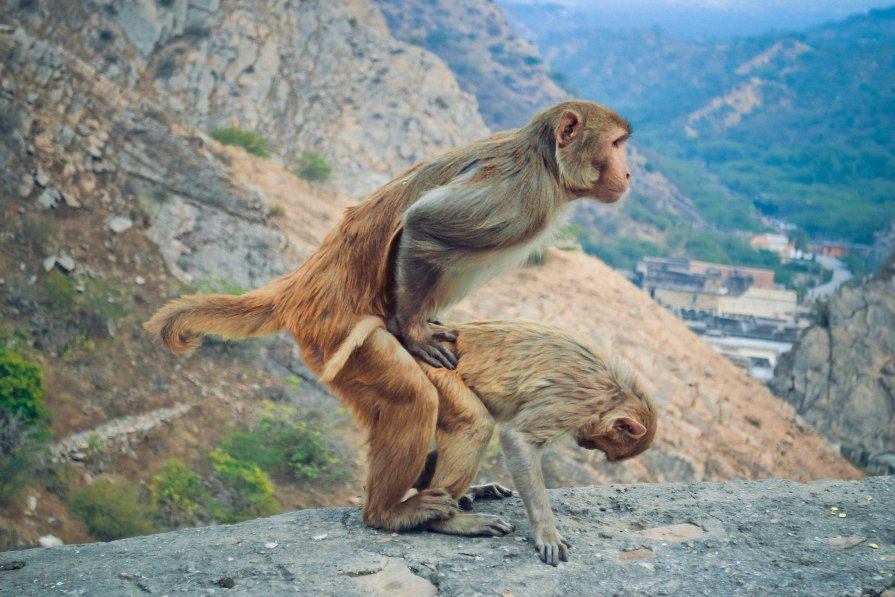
{"points": [[737, 537]]}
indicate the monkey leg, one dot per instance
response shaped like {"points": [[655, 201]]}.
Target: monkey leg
{"points": [[398, 405], [463, 431], [425, 478]]}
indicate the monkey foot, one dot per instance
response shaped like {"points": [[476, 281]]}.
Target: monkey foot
{"points": [[442, 333], [490, 491], [552, 548], [431, 352], [425, 506], [419, 341], [471, 525]]}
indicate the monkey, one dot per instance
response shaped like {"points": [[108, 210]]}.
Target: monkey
{"points": [[414, 247], [539, 383]]}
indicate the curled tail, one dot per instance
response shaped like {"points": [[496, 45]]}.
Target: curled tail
{"points": [[182, 322]]}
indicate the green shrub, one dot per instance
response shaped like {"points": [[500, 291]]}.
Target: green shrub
{"points": [[177, 492], [251, 141], [60, 290], [22, 387], [111, 509], [280, 446], [253, 493], [216, 285], [312, 167]]}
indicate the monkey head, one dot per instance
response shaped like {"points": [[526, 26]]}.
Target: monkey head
{"points": [[624, 432], [590, 151]]}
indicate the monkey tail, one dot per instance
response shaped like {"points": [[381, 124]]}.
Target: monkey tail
{"points": [[355, 340], [182, 322]]}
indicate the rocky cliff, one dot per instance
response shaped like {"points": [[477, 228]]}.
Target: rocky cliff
{"points": [[735, 538], [840, 376], [308, 76]]}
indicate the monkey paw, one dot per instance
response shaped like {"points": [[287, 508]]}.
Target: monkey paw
{"points": [[552, 547], [490, 491]]}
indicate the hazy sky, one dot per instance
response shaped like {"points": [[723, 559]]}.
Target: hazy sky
{"points": [[708, 18]]}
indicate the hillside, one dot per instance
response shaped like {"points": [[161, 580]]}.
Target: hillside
{"points": [[112, 205], [789, 125], [504, 71]]}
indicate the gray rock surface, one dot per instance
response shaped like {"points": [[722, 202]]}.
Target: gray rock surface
{"points": [[326, 76], [840, 376], [761, 537], [206, 226]]}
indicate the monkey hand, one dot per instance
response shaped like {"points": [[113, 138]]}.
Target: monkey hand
{"points": [[551, 546], [419, 341]]}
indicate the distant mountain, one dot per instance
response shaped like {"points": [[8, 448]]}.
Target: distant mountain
{"points": [[692, 19], [504, 71], [797, 126]]}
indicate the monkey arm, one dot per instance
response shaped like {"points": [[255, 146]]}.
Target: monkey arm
{"points": [[524, 461], [443, 253]]}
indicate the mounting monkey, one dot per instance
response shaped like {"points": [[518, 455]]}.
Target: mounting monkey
{"points": [[540, 383], [416, 246]]}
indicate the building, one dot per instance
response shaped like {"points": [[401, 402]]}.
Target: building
{"points": [[776, 243], [715, 289], [839, 249]]}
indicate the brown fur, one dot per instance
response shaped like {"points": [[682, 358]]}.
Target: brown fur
{"points": [[414, 247], [539, 383]]}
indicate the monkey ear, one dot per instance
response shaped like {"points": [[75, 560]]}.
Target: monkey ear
{"points": [[568, 128], [629, 427]]}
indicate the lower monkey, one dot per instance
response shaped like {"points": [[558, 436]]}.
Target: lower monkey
{"points": [[540, 383]]}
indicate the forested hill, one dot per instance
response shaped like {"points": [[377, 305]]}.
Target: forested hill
{"points": [[799, 125]]}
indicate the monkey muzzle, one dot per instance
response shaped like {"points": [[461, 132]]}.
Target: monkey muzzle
{"points": [[589, 444]]}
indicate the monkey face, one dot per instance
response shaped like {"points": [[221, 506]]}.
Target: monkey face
{"points": [[590, 152], [614, 175], [619, 437]]}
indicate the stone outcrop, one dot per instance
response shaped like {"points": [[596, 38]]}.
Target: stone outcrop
{"points": [[772, 537], [111, 154], [308, 76], [840, 376]]}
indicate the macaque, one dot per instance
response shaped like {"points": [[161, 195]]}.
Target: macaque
{"points": [[539, 383], [413, 248]]}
